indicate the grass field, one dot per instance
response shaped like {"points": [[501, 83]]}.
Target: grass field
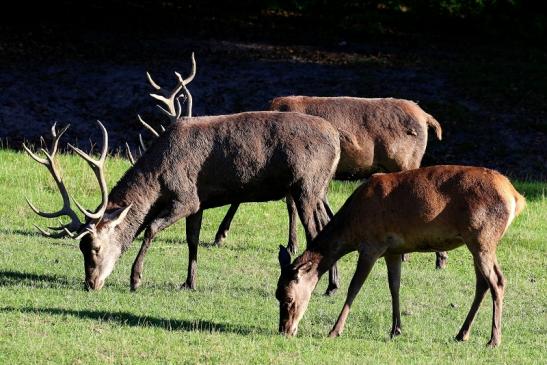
{"points": [[232, 317]]}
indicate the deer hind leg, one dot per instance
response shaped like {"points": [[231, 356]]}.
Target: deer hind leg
{"points": [[324, 214], [166, 218], [224, 227], [314, 217], [481, 287], [292, 245], [441, 259], [327, 208], [364, 266], [496, 281], [193, 228], [393, 263]]}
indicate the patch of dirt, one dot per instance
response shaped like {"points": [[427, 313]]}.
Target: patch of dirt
{"points": [[102, 76]]}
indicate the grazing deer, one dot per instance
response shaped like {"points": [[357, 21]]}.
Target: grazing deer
{"points": [[171, 100], [375, 134], [428, 209], [203, 163]]}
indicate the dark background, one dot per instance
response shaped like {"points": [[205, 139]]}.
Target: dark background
{"points": [[480, 67]]}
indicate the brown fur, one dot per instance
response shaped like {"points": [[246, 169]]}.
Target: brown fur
{"points": [[212, 161], [375, 135], [428, 209]]}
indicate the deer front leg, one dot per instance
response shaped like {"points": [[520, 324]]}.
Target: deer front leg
{"points": [[154, 227], [166, 218], [224, 227], [364, 266], [193, 227], [136, 269], [393, 263], [292, 245]]}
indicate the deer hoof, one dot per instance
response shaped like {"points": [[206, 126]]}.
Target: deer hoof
{"points": [[461, 336], [333, 334], [291, 247], [135, 283], [188, 286], [395, 332], [493, 343], [330, 291], [441, 262], [219, 240]]}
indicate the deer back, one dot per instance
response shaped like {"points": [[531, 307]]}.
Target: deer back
{"points": [[427, 209], [253, 156], [383, 133]]}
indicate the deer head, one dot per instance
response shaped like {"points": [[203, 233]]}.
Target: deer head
{"points": [[98, 233], [294, 290]]}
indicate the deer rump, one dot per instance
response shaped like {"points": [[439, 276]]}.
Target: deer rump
{"points": [[376, 134], [248, 157]]}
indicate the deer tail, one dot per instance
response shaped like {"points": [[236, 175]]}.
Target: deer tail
{"points": [[433, 123]]}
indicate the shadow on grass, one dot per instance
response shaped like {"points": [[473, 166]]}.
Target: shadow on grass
{"points": [[35, 234], [20, 232], [129, 319], [15, 278]]}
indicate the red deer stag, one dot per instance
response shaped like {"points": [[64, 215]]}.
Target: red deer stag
{"points": [[428, 209], [203, 163], [375, 134], [171, 100]]}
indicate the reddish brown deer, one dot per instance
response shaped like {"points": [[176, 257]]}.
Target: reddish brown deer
{"points": [[203, 163], [375, 134], [428, 209]]}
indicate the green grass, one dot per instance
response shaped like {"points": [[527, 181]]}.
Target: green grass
{"points": [[46, 316]]}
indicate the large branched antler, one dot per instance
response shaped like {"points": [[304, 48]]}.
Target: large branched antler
{"points": [[172, 99], [75, 229], [172, 102], [98, 168], [66, 210]]}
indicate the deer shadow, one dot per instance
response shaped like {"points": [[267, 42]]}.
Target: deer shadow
{"points": [[15, 278], [132, 320]]}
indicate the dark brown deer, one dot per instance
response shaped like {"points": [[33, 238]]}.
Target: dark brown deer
{"points": [[375, 135], [173, 110], [203, 163], [428, 209]]}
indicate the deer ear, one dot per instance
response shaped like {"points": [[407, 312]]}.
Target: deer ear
{"points": [[116, 217], [303, 268], [284, 257]]}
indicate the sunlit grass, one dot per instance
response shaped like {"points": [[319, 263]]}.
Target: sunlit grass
{"points": [[46, 316]]}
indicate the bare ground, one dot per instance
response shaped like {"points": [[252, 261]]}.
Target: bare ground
{"points": [[491, 101]]}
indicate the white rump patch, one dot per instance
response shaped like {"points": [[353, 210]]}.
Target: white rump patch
{"points": [[512, 210]]}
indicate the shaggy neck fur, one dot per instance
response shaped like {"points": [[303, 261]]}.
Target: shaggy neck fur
{"points": [[129, 190]]}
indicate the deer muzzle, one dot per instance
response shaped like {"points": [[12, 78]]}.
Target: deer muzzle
{"points": [[94, 284]]}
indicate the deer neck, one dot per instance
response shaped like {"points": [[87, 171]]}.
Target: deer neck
{"points": [[330, 245], [143, 195]]}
